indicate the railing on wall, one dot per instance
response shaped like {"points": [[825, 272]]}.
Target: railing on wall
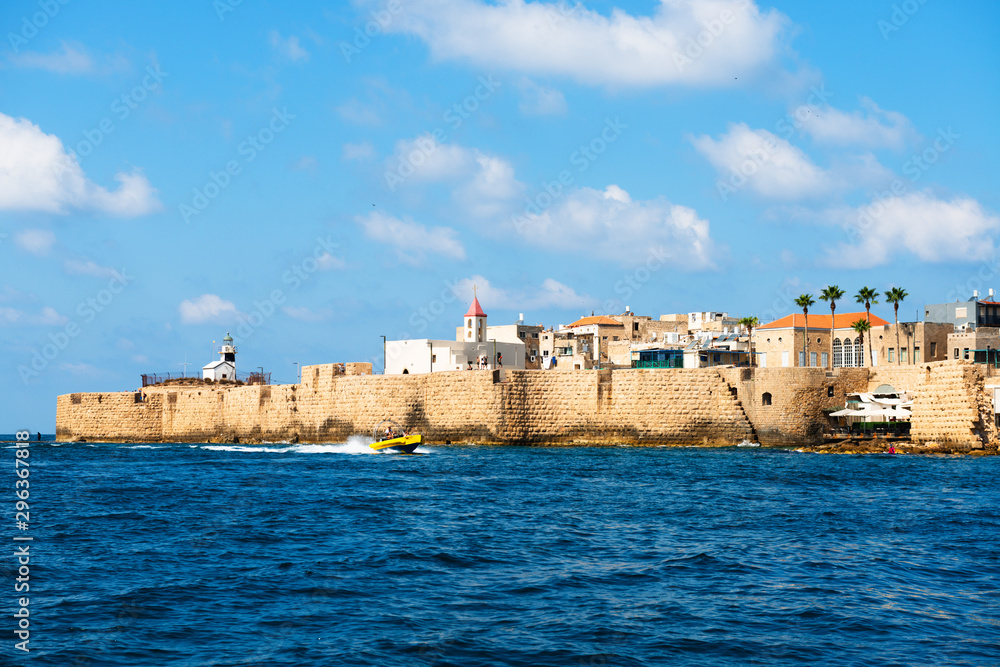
{"points": [[663, 363], [149, 379]]}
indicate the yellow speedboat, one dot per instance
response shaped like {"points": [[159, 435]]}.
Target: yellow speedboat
{"points": [[390, 437]]}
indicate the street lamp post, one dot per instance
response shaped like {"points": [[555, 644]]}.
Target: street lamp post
{"points": [[431, 346], [494, 341], [383, 355], [298, 376]]}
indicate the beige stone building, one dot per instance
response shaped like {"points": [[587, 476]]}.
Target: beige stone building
{"points": [[603, 329], [779, 344], [962, 345], [919, 342], [644, 329], [567, 349]]}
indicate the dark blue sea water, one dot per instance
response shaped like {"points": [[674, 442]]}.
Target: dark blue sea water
{"points": [[325, 555]]}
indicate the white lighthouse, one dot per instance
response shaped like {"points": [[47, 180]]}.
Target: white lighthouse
{"points": [[225, 367]]}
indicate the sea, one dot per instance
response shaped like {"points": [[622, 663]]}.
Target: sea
{"points": [[295, 554]]}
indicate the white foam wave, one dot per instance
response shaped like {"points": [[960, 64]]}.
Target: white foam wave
{"points": [[356, 444]]}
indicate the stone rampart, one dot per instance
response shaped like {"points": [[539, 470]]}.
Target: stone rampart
{"points": [[951, 405], [780, 406]]}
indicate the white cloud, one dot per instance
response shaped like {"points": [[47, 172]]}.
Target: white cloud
{"points": [[207, 308], [483, 184], [932, 229], [776, 169], [36, 173], [551, 294], [88, 268], [304, 314], [616, 50], [35, 241], [71, 59], [540, 101], [327, 262], [46, 317], [612, 226], [354, 111], [304, 163], [871, 127], [412, 241], [288, 48], [362, 151]]}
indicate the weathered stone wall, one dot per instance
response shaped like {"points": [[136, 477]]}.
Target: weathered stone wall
{"points": [[951, 404], [799, 399], [670, 406]]}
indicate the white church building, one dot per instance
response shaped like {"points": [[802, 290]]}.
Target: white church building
{"points": [[424, 355]]}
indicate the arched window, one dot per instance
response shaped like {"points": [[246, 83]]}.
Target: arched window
{"points": [[406, 371], [859, 353], [765, 399], [838, 354]]}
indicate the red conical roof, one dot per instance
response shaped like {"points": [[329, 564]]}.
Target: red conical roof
{"points": [[475, 310]]}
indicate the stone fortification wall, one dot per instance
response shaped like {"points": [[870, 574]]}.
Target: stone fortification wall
{"points": [[788, 406], [951, 404], [669, 406], [522, 407]]}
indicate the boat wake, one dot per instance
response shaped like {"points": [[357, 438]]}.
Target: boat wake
{"points": [[356, 444]]}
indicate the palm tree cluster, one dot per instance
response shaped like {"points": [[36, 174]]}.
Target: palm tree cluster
{"points": [[867, 296]]}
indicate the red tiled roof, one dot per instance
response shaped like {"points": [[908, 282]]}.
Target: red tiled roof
{"points": [[600, 320], [475, 310], [818, 321]]}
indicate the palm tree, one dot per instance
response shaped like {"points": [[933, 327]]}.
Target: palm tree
{"points": [[803, 302], [894, 296], [867, 296], [831, 294], [862, 326], [750, 323]]}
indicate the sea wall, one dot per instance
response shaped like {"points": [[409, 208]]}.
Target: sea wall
{"points": [[952, 404], [780, 406]]}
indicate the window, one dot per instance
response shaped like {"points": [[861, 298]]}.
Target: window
{"points": [[521, 334], [802, 359], [956, 353], [961, 312], [812, 359], [904, 354], [635, 326], [933, 351], [784, 359], [534, 335], [545, 353], [763, 359], [765, 399], [916, 355], [718, 358], [826, 359], [838, 353], [434, 358], [615, 338], [891, 357], [605, 338], [468, 322], [965, 354], [829, 391]]}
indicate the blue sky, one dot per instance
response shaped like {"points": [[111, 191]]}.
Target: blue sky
{"points": [[311, 176]]}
